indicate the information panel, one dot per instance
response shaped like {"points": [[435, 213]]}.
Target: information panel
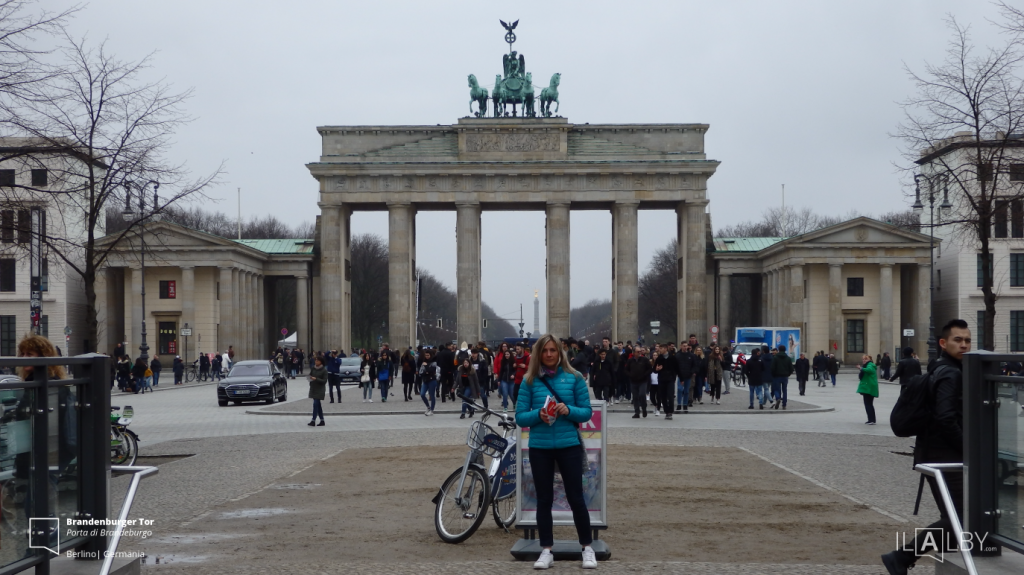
{"points": [[595, 439]]}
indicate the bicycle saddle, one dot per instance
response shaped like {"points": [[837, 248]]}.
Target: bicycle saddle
{"points": [[115, 407]]}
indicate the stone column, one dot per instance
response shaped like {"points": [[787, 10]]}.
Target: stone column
{"points": [[924, 312], [238, 321], [345, 234], [796, 297], [331, 277], [724, 309], [835, 309], [468, 321], [681, 236], [763, 317], [254, 315], [557, 226], [886, 319], [302, 310], [227, 315], [774, 317], [187, 293], [696, 272], [625, 319], [261, 306], [401, 307], [244, 315], [136, 329]]}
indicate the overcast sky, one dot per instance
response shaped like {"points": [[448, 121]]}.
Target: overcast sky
{"points": [[797, 93]]}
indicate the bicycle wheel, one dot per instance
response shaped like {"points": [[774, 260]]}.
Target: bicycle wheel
{"points": [[126, 452], [504, 511], [190, 375], [459, 515]]}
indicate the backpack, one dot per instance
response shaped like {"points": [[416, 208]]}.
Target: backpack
{"points": [[913, 410], [430, 373]]}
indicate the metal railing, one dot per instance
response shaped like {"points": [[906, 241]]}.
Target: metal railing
{"points": [[935, 470], [54, 438], [138, 473]]}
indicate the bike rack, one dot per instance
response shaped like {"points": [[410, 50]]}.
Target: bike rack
{"points": [[935, 470], [138, 472]]}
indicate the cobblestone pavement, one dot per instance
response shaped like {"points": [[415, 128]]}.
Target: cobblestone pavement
{"points": [[235, 454]]}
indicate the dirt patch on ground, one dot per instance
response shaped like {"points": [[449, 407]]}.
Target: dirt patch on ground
{"points": [[665, 504]]}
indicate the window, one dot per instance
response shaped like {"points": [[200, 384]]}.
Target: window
{"points": [[168, 337], [168, 289], [991, 271], [1016, 219], [39, 178], [6, 177], [8, 334], [44, 276], [44, 325], [938, 280], [24, 226], [7, 226], [855, 287], [985, 172], [1000, 217], [7, 275], [1017, 172], [979, 340], [1016, 331], [855, 336]]}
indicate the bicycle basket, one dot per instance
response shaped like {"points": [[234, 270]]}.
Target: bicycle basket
{"points": [[483, 438]]}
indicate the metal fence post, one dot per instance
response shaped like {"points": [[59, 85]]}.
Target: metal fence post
{"points": [[980, 448], [94, 412]]}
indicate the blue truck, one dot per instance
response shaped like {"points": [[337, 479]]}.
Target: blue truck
{"points": [[749, 337]]}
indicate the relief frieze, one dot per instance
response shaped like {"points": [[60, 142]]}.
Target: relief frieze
{"points": [[512, 142]]}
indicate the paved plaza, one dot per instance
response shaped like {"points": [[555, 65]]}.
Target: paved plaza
{"points": [[234, 455]]}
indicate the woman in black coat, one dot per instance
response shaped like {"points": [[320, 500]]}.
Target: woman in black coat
{"points": [[178, 368]]}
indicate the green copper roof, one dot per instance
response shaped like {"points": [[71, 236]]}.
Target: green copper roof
{"points": [[280, 246], [744, 244], [446, 145]]}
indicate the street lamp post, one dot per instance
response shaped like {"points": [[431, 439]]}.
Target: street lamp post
{"points": [[129, 215], [944, 207]]}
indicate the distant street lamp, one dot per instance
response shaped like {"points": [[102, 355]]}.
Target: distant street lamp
{"points": [[944, 208], [129, 215]]}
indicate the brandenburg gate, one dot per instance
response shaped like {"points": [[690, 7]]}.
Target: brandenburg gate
{"points": [[500, 161]]}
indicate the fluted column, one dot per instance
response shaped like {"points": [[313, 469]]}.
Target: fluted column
{"points": [[226, 335], [724, 309], [302, 310], [558, 265], [796, 297], [625, 237], [773, 298], [187, 294], [681, 238], [468, 321], [261, 332], [887, 320], [764, 299], [237, 323], [835, 309], [254, 317], [401, 307], [331, 276], [245, 318], [136, 298], [696, 271]]}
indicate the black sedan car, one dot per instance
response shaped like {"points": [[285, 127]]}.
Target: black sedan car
{"points": [[254, 380]]}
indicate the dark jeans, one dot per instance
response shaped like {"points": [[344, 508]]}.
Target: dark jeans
{"points": [[667, 396], [156, 378], [447, 383], [803, 385], [318, 410], [869, 406], [429, 388], [384, 387], [639, 391], [780, 389], [542, 461], [684, 392], [943, 527], [716, 389], [653, 392]]}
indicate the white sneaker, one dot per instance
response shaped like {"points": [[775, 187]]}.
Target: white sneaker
{"points": [[431, 412], [656, 414], [545, 560], [427, 412], [589, 558], [369, 401]]}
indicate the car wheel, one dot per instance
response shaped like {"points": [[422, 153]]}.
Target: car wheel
{"points": [[222, 402], [283, 398]]}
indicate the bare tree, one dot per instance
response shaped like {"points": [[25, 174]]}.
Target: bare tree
{"points": [[21, 30], [657, 292], [369, 289], [591, 320], [779, 223], [101, 130], [961, 130]]}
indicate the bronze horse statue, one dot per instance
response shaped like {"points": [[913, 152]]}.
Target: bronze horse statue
{"points": [[478, 95], [550, 94]]}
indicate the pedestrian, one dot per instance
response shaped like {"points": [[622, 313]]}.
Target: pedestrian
{"points": [[726, 367], [907, 368], [469, 386], [204, 367], [217, 367], [155, 366], [697, 389], [868, 386], [686, 367], [803, 369], [226, 360], [752, 369], [942, 442], [885, 364], [445, 360], [652, 384], [602, 376], [506, 378], [767, 356], [178, 367], [231, 356], [124, 370], [639, 370], [557, 442], [479, 364], [782, 368], [821, 368], [665, 365], [139, 369], [368, 370], [715, 375], [384, 370], [833, 367], [317, 391], [408, 374], [428, 377], [147, 380], [332, 363], [520, 362]]}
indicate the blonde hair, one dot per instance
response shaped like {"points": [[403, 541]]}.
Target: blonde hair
{"points": [[699, 352], [534, 368], [41, 347]]}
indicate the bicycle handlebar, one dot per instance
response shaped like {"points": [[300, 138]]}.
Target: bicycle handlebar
{"points": [[504, 418]]}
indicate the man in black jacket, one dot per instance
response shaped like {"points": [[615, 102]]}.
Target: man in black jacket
{"points": [[943, 442], [755, 377], [686, 367], [803, 371], [602, 376], [446, 362], [885, 364], [820, 363], [907, 368], [638, 368], [665, 365]]}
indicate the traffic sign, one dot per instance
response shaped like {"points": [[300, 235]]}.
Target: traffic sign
{"points": [[908, 333], [284, 331], [67, 330], [714, 330], [655, 331], [186, 331], [655, 324]]}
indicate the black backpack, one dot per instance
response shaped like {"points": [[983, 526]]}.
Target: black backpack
{"points": [[915, 406]]}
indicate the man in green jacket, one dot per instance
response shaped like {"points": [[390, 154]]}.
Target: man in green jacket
{"points": [[782, 368]]}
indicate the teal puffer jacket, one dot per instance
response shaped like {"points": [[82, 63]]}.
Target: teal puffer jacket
{"points": [[573, 390]]}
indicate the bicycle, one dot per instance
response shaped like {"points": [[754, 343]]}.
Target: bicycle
{"points": [[192, 372], [463, 498], [124, 444]]}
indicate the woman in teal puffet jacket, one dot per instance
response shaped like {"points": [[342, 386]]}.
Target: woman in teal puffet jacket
{"points": [[558, 441]]}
